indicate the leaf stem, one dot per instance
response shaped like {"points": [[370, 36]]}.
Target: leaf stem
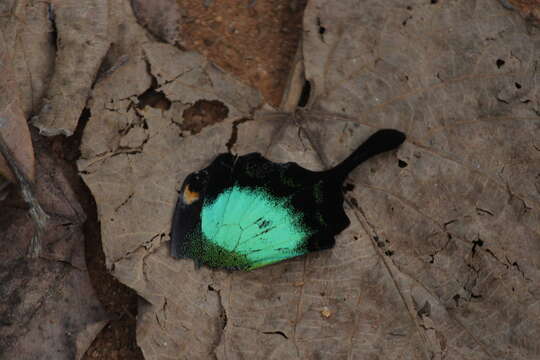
{"points": [[38, 215]]}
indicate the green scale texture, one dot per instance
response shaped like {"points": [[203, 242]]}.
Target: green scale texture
{"points": [[254, 225]]}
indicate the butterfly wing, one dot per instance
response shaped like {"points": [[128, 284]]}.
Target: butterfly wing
{"points": [[248, 212], [254, 225], [198, 187]]}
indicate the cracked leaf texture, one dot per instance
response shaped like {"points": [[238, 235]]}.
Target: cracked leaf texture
{"points": [[441, 260]]}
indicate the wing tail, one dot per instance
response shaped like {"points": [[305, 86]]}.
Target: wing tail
{"points": [[382, 141]]}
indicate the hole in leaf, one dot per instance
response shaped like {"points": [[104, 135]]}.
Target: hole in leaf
{"points": [[306, 92], [500, 63], [478, 242], [203, 113], [402, 164], [153, 98], [379, 243], [322, 29], [518, 85], [404, 22]]}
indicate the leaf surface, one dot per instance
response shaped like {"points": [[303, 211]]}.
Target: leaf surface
{"points": [[13, 127], [48, 306], [441, 258]]}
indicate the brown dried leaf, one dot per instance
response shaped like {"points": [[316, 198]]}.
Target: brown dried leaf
{"points": [[29, 33], [441, 258], [253, 40], [163, 18], [48, 308], [13, 127], [455, 220], [82, 43], [120, 130], [34, 54]]}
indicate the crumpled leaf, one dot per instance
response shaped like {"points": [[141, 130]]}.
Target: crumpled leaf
{"points": [[82, 42], [163, 18], [29, 34], [459, 225], [48, 308], [34, 56], [13, 127], [441, 258], [253, 40]]}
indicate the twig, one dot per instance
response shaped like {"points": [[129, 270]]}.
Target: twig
{"points": [[38, 215]]}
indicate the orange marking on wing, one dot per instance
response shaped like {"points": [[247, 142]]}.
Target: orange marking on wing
{"points": [[190, 196]]}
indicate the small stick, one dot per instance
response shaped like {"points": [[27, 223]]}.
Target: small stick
{"points": [[38, 215]]}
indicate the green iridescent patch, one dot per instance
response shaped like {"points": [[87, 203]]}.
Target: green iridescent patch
{"points": [[244, 221], [242, 213]]}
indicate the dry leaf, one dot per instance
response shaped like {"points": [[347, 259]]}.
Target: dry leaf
{"points": [[163, 18], [48, 308], [33, 40], [13, 127], [455, 220], [441, 258], [120, 130], [82, 42]]}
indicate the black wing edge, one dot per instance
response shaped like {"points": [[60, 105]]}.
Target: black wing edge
{"points": [[185, 220]]}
